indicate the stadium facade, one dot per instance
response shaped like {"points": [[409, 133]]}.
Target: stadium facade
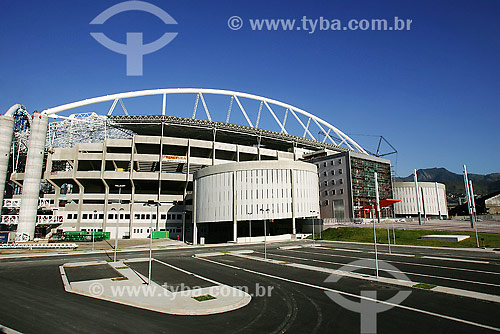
{"points": [[88, 172]]}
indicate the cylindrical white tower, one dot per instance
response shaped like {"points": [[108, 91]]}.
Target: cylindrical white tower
{"points": [[32, 178], [6, 129]]}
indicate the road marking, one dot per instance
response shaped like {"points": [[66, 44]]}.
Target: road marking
{"points": [[404, 272], [401, 262], [8, 330], [356, 296], [411, 255], [188, 272]]}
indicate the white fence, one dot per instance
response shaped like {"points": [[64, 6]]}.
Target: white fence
{"points": [[40, 219]]}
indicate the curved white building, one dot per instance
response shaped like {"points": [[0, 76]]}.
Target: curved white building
{"points": [[432, 196], [275, 191]]}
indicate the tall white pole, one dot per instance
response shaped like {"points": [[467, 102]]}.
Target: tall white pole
{"points": [[118, 220], [417, 193], [93, 228], [468, 197], [374, 232], [437, 199], [150, 243], [471, 190], [265, 241]]}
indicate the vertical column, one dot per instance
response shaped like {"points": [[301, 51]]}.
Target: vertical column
{"points": [[6, 129], [437, 199], [294, 227], [32, 178], [195, 226], [235, 220]]}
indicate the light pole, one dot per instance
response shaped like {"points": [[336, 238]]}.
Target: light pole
{"points": [[378, 218], [250, 227], [265, 234], [93, 228], [415, 179], [314, 213], [119, 186], [151, 204]]}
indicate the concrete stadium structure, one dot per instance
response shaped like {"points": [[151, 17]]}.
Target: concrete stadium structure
{"points": [[92, 182], [239, 193], [432, 199]]}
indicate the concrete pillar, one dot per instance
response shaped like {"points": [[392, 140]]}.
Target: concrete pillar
{"points": [[235, 220], [292, 183], [195, 226], [6, 130], [32, 178]]}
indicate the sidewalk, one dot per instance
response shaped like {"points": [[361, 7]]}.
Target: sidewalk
{"points": [[117, 282]]}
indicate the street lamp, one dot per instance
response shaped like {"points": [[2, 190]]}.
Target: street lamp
{"points": [[314, 213], [93, 228], [265, 233], [250, 227], [151, 204], [119, 186]]}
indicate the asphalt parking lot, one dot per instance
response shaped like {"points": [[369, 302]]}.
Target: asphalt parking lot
{"points": [[34, 300]]}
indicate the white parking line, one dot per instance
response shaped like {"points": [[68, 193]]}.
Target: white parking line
{"points": [[410, 255], [401, 262], [405, 272], [356, 296]]}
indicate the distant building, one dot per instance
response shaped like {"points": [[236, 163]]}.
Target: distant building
{"points": [[493, 204], [432, 197], [347, 186]]}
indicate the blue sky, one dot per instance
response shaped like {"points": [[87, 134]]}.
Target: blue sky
{"points": [[433, 91]]}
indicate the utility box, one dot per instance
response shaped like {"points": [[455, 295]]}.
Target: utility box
{"points": [[202, 240], [7, 237]]}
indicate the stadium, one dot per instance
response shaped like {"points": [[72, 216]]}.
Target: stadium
{"points": [[124, 165]]}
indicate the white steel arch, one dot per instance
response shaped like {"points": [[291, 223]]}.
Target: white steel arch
{"points": [[326, 128]]}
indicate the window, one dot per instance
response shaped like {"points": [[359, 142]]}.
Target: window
{"points": [[333, 182], [340, 170], [340, 161], [101, 216], [70, 216], [137, 216], [163, 216], [121, 215], [169, 216], [154, 216], [326, 202], [127, 216], [84, 216], [317, 165], [110, 216], [324, 164], [332, 172], [341, 181], [179, 217], [331, 163], [341, 191], [325, 183], [326, 192], [148, 216], [143, 216], [325, 173], [333, 192]]}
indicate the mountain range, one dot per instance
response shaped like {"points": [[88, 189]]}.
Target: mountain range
{"points": [[483, 184]]}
